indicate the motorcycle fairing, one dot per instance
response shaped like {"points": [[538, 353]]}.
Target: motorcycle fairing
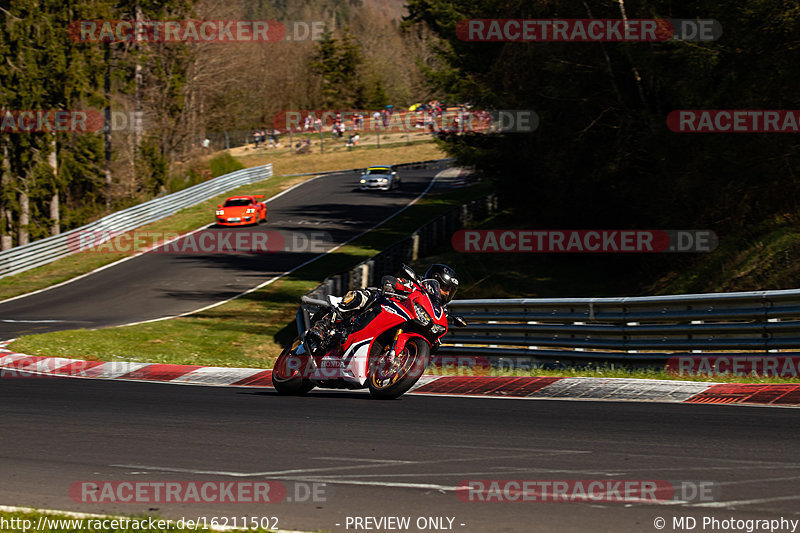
{"points": [[350, 367]]}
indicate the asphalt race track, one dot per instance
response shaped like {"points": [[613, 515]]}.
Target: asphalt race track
{"points": [[155, 285], [367, 460], [396, 458]]}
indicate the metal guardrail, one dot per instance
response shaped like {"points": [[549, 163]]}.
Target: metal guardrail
{"points": [[635, 331], [422, 242], [632, 330], [49, 249]]}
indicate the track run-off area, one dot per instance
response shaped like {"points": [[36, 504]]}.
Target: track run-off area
{"points": [[339, 461]]}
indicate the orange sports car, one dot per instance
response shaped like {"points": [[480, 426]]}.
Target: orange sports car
{"points": [[242, 210]]}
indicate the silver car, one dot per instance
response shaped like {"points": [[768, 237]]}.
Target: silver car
{"points": [[380, 177]]}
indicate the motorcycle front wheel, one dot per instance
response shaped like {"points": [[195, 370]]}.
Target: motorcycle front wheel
{"points": [[287, 373], [390, 378]]}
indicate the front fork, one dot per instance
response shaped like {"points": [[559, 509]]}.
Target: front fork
{"points": [[398, 344]]}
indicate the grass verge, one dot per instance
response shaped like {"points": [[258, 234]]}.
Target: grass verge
{"points": [[285, 162], [83, 262], [763, 257], [608, 371], [248, 331]]}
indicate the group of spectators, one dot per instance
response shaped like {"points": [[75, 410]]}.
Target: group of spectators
{"points": [[313, 124], [434, 116]]}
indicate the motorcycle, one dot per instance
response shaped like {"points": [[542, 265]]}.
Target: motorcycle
{"points": [[385, 347]]}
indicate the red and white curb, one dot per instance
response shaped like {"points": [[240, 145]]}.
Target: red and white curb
{"points": [[614, 389], [573, 388]]}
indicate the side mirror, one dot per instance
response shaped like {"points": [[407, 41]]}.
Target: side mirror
{"points": [[219, 206], [458, 321], [407, 270]]}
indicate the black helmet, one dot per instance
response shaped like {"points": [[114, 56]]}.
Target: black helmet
{"points": [[448, 282]]}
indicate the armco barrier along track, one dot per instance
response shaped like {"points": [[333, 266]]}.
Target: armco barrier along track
{"points": [[44, 251], [47, 250], [635, 330]]}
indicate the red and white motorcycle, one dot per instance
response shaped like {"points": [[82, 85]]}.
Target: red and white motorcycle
{"points": [[385, 347]]}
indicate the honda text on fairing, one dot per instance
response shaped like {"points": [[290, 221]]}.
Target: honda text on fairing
{"points": [[385, 348], [241, 211]]}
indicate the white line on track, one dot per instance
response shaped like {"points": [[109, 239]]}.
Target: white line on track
{"points": [[733, 503], [426, 486], [276, 278], [540, 450], [360, 467], [33, 321], [716, 468], [247, 474], [756, 480], [386, 461], [115, 263], [464, 475]]}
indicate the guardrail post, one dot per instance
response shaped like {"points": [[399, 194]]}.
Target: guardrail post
{"points": [[364, 275]]}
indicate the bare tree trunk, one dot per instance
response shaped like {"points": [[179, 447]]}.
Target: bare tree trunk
{"points": [[107, 125], [23, 236], [608, 64], [6, 240], [635, 71], [55, 229], [138, 78], [55, 212]]}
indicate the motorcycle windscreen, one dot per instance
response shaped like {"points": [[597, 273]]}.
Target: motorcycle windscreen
{"points": [[351, 367]]}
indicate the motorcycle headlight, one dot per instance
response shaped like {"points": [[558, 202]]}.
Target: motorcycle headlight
{"points": [[422, 316], [250, 210], [220, 212], [363, 180]]}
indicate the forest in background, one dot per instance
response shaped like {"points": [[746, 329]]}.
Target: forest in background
{"points": [[184, 92], [603, 156]]}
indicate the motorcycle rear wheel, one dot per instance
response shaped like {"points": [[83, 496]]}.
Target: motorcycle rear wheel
{"points": [[391, 384], [287, 373]]}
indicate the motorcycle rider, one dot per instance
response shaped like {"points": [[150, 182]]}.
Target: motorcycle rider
{"points": [[327, 328]]}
